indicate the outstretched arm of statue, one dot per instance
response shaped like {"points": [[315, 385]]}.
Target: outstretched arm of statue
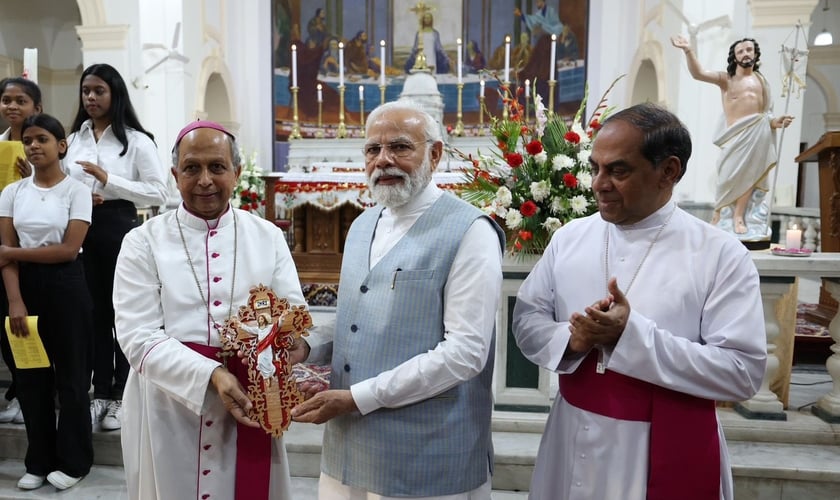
{"points": [[697, 72], [783, 121]]}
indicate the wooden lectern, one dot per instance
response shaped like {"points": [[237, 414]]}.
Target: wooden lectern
{"points": [[826, 152]]}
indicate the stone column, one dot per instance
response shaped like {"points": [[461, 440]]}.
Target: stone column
{"points": [[828, 407]]}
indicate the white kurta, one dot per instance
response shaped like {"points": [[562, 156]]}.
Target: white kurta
{"points": [[696, 326], [178, 440]]}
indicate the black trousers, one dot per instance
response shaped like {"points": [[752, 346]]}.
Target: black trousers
{"points": [[5, 349], [111, 221], [58, 295]]}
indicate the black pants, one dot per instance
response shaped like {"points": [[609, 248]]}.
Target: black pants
{"points": [[5, 349], [111, 220], [58, 295]]}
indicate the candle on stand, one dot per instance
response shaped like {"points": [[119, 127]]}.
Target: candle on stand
{"points": [[507, 58], [527, 89], [382, 62], [294, 65], [552, 64], [320, 93], [30, 64], [460, 62], [361, 92], [793, 239], [340, 64], [481, 87]]}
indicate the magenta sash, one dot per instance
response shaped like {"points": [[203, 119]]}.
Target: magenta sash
{"points": [[253, 445], [684, 456]]}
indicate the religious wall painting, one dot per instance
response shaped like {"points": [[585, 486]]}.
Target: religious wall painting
{"points": [[265, 330], [378, 30]]}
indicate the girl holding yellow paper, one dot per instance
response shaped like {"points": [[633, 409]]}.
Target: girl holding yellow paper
{"points": [[19, 99], [43, 222]]}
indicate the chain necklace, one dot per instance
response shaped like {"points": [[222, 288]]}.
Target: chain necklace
{"points": [[216, 324], [644, 257]]}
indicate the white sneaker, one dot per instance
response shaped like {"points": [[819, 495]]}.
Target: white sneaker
{"points": [[12, 413], [98, 408], [61, 480], [113, 417], [30, 482]]}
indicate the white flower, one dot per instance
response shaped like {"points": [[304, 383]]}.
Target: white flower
{"points": [[579, 204], [552, 224], [541, 157], [513, 218], [584, 179], [583, 155], [236, 202], [562, 161], [539, 114], [557, 205], [540, 190], [584, 137], [504, 196]]}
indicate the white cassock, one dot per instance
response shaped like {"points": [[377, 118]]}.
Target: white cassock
{"points": [[696, 326], [178, 439]]}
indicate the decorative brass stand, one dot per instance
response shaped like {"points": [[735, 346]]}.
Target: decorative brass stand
{"points": [[296, 124], [320, 132], [382, 94], [342, 128], [551, 84], [505, 107], [481, 115], [362, 111], [459, 125]]}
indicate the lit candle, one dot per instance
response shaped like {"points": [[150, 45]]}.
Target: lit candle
{"points": [[382, 63], [527, 89], [460, 62], [507, 59], [793, 239], [552, 64], [481, 86], [30, 64], [320, 93], [340, 64], [361, 92], [294, 65]]}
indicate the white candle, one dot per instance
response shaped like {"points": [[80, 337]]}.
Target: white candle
{"points": [[294, 65], [460, 63], [507, 59], [320, 93], [527, 89], [481, 86], [340, 64], [552, 64], [361, 92], [793, 239], [382, 63], [30, 64]]}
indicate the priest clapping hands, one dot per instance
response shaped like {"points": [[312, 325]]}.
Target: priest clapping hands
{"points": [[603, 323]]}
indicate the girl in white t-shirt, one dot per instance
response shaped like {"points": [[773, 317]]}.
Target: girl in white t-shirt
{"points": [[43, 222]]}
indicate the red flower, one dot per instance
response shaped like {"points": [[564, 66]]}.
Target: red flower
{"points": [[523, 130], [528, 209], [502, 146], [525, 235], [255, 196], [517, 245], [572, 137], [534, 148], [255, 206], [449, 129], [514, 159], [570, 180], [595, 124]]}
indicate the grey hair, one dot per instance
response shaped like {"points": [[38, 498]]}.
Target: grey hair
{"points": [[431, 128], [234, 152]]}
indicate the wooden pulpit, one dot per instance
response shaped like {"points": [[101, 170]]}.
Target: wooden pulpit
{"points": [[826, 152]]}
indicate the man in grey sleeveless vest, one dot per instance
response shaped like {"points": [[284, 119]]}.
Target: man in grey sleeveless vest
{"points": [[408, 410]]}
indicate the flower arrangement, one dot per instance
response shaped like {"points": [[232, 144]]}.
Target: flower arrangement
{"points": [[539, 178], [250, 190]]}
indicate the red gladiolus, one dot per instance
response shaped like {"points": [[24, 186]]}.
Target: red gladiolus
{"points": [[595, 124], [502, 146], [528, 209], [572, 137], [570, 180], [483, 174], [517, 245], [514, 159], [525, 235], [534, 148]]}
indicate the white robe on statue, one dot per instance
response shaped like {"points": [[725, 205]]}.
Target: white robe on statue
{"points": [[696, 326], [178, 439], [747, 153]]}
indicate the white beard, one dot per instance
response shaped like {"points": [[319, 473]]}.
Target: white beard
{"points": [[400, 194]]}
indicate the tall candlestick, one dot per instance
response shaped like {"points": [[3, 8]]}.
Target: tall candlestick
{"points": [[361, 92], [340, 64], [382, 63], [320, 132], [507, 59], [527, 89], [460, 62], [294, 65], [320, 93], [552, 63], [481, 86], [30, 64]]}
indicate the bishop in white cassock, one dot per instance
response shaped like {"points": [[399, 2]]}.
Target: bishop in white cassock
{"points": [[178, 275]]}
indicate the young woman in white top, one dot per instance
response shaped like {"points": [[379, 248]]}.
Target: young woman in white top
{"points": [[43, 221], [19, 99], [117, 159]]}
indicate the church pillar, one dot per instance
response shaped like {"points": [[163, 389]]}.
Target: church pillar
{"points": [[828, 407], [832, 121], [106, 43]]}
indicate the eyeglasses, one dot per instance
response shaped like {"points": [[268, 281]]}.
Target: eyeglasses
{"points": [[396, 149]]}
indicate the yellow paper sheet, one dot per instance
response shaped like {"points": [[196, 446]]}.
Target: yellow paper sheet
{"points": [[28, 351], [10, 151]]}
